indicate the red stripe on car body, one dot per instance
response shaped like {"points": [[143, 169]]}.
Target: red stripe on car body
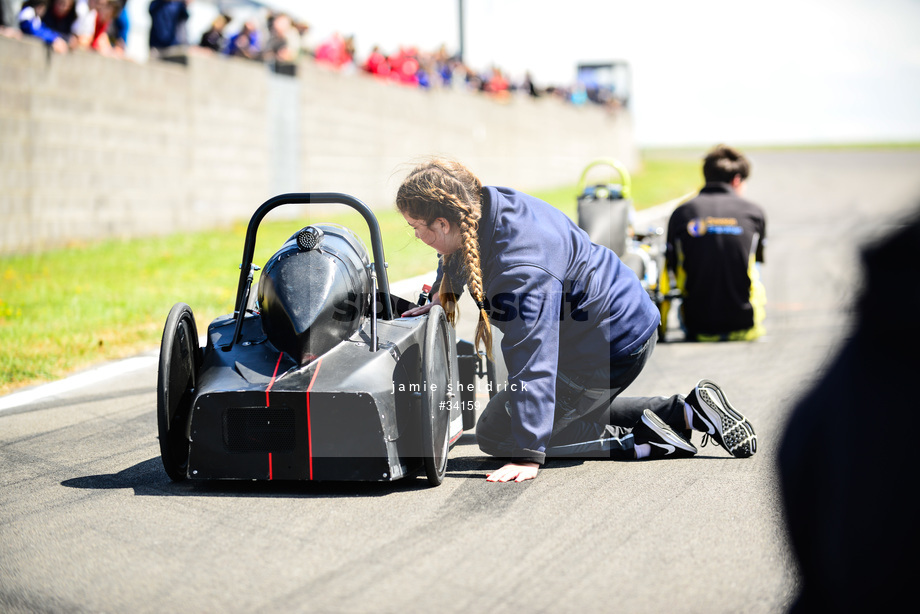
{"points": [[275, 374], [309, 424]]}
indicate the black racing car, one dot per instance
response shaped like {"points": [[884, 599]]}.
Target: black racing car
{"points": [[318, 378]]}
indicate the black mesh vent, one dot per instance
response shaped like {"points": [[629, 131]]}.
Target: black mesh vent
{"points": [[309, 238], [259, 429]]}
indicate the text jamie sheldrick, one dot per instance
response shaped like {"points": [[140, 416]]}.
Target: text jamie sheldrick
{"points": [[433, 387]]}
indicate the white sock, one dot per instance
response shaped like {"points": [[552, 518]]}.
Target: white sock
{"points": [[642, 450], [688, 415]]}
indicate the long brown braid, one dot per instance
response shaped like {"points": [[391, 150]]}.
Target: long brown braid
{"points": [[446, 188]]}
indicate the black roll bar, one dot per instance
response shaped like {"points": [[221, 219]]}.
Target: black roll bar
{"points": [[310, 198]]}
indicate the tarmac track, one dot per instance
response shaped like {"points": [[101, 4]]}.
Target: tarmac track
{"points": [[89, 521]]}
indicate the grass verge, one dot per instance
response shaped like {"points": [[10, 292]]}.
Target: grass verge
{"points": [[66, 309]]}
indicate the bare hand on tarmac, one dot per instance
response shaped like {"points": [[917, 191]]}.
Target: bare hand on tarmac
{"points": [[514, 471]]}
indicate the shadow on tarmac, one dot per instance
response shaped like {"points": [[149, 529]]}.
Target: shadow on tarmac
{"points": [[149, 479]]}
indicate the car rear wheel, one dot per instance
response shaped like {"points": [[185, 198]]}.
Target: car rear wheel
{"points": [[177, 379], [436, 398]]}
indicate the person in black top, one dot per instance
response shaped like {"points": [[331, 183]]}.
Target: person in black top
{"points": [[213, 39], [61, 16], [715, 247]]}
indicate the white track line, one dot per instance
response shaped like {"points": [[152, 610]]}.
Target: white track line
{"points": [[75, 382], [662, 211]]}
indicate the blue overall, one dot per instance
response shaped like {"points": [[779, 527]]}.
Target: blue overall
{"points": [[573, 317]]}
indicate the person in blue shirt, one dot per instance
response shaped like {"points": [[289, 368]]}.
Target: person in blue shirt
{"points": [[168, 24], [121, 27], [30, 22], [245, 43], [577, 329]]}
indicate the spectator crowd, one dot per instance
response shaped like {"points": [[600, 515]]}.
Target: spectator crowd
{"points": [[98, 25], [281, 41]]}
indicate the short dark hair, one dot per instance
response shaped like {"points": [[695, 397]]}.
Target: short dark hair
{"points": [[722, 163]]}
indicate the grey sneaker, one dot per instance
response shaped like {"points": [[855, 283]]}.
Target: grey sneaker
{"points": [[716, 418], [664, 441]]}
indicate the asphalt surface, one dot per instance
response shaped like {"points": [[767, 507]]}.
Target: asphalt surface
{"points": [[89, 521]]}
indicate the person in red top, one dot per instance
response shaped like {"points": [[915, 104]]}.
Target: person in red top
{"points": [[497, 84], [376, 63], [337, 52], [106, 12], [404, 66]]}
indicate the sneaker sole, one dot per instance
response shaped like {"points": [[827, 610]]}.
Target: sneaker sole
{"points": [[734, 432], [682, 448]]}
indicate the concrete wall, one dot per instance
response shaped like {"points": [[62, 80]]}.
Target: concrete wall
{"points": [[92, 147]]}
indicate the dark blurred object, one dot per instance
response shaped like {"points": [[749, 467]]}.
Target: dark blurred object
{"points": [[849, 495], [606, 83], [425, 296]]}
